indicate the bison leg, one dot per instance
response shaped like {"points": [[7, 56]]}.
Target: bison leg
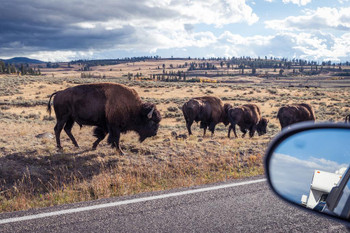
{"points": [[68, 129], [244, 131], [100, 133], [229, 131], [58, 128], [113, 139], [252, 131], [188, 125], [203, 126], [212, 128], [234, 130], [204, 131]]}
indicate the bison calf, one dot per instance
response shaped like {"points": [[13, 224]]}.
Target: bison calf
{"points": [[112, 108], [291, 114], [209, 110], [247, 117]]}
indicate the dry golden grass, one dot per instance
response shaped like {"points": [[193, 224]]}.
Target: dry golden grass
{"points": [[34, 174]]}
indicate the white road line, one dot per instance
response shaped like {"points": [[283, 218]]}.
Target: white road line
{"points": [[126, 202]]}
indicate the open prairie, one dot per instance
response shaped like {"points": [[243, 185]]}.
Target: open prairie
{"points": [[34, 174]]}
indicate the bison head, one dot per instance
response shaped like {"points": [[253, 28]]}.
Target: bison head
{"points": [[261, 127], [150, 118]]}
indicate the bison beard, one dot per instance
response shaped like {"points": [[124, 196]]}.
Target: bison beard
{"points": [[112, 108]]}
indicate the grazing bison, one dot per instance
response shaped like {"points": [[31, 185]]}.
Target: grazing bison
{"points": [[112, 108], [247, 117], [347, 119], [208, 110], [291, 114]]}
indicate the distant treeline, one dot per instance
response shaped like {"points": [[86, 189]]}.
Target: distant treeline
{"points": [[23, 69], [193, 64], [205, 63], [105, 62]]}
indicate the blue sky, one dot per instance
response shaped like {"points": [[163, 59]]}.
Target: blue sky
{"points": [[69, 30], [329, 144], [295, 160]]}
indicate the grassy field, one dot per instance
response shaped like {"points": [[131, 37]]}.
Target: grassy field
{"points": [[34, 174]]}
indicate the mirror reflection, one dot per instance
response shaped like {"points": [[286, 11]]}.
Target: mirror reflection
{"points": [[311, 168]]}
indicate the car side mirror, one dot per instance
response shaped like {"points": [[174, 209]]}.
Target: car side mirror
{"points": [[308, 166]]}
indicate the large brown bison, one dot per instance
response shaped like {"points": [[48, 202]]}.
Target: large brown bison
{"points": [[112, 108], [209, 110], [291, 114], [247, 117]]}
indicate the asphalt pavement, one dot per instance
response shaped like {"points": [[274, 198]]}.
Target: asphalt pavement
{"points": [[235, 206]]}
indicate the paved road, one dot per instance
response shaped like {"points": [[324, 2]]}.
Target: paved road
{"points": [[244, 208]]}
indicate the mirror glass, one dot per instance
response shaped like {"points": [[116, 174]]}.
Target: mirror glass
{"points": [[310, 168]]}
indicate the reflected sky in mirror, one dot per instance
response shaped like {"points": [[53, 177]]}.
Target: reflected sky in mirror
{"points": [[294, 161]]}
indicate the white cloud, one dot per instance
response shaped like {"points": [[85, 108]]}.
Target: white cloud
{"points": [[85, 25], [215, 12], [319, 19], [176, 31], [61, 56], [230, 44], [297, 2], [311, 46], [312, 35], [150, 26], [184, 12], [147, 25]]}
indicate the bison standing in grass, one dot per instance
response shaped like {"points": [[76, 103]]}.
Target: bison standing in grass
{"points": [[209, 110], [291, 114], [112, 108], [247, 117], [347, 119]]}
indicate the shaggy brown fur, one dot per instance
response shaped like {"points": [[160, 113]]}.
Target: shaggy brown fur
{"points": [[247, 117], [112, 108], [291, 114], [209, 110]]}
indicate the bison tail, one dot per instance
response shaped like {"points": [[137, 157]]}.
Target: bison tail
{"points": [[347, 119], [187, 111], [230, 118], [49, 104]]}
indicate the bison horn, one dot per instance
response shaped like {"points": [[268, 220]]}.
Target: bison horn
{"points": [[149, 115]]}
